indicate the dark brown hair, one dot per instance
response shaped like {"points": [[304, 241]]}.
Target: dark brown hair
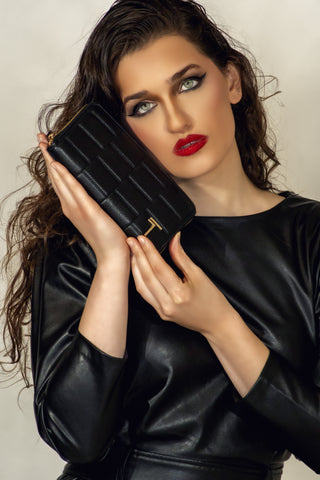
{"points": [[126, 27]]}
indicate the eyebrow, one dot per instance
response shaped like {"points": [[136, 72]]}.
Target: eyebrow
{"points": [[171, 80]]}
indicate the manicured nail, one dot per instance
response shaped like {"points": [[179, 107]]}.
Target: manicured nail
{"points": [[142, 239], [130, 242], [178, 236]]}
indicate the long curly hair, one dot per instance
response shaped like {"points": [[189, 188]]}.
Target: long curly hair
{"points": [[127, 26]]}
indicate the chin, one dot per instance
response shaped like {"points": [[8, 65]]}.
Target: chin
{"points": [[194, 171]]}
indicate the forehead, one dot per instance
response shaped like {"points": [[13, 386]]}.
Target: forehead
{"points": [[157, 61]]}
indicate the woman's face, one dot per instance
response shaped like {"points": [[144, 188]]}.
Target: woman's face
{"points": [[179, 104]]}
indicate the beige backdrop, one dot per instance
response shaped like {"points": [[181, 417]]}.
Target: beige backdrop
{"points": [[41, 42]]}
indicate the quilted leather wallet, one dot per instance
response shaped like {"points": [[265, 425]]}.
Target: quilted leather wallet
{"points": [[122, 175]]}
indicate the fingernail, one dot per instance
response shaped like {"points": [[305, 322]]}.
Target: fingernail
{"points": [[142, 239], [130, 242]]}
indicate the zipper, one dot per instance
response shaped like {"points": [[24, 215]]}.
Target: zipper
{"points": [[52, 135]]}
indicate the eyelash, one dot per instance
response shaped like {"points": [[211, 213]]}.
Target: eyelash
{"points": [[198, 79]]}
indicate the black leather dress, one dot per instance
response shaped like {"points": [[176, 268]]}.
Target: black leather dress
{"points": [[168, 410]]}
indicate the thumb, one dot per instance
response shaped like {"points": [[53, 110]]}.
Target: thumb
{"points": [[179, 256]]}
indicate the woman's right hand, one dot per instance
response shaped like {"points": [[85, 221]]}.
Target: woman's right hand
{"points": [[102, 233]]}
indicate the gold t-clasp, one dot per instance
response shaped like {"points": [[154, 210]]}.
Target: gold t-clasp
{"points": [[153, 225]]}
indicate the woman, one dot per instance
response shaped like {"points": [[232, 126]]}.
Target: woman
{"points": [[204, 363]]}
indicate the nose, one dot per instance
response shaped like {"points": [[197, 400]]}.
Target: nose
{"points": [[177, 119]]}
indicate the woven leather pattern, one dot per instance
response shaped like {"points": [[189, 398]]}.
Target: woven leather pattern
{"points": [[122, 176]]}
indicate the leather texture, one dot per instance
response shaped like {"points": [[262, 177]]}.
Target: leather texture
{"points": [[122, 176], [169, 398]]}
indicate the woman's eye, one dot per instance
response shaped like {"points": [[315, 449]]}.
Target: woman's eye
{"points": [[141, 109], [191, 83]]}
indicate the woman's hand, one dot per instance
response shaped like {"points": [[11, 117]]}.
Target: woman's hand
{"points": [[105, 237], [193, 301]]}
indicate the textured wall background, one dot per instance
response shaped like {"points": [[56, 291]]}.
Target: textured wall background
{"points": [[40, 45]]}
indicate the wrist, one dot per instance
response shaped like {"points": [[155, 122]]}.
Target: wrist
{"points": [[113, 267], [114, 260], [226, 328]]}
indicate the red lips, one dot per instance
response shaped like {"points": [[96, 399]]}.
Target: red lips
{"points": [[189, 145]]}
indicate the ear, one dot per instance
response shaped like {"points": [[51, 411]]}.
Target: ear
{"points": [[234, 83]]}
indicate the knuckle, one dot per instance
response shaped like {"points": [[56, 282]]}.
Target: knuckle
{"points": [[65, 210], [147, 277], [139, 287], [74, 212], [181, 295], [167, 310]]}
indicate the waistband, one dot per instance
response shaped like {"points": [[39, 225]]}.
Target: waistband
{"points": [[143, 465], [135, 464]]}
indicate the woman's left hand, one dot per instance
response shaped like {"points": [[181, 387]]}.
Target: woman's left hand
{"points": [[196, 303], [193, 301]]}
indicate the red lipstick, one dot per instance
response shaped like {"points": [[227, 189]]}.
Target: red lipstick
{"points": [[189, 145]]}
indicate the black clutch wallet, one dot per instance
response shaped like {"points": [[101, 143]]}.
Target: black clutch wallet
{"points": [[122, 176]]}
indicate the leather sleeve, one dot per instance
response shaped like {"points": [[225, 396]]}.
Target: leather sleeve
{"points": [[285, 399], [78, 388], [291, 406]]}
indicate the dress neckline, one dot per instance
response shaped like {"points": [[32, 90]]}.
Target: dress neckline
{"points": [[286, 194]]}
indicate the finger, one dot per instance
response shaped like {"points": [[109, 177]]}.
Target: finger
{"points": [[43, 144], [49, 162], [156, 288], [180, 258], [67, 193], [54, 172], [165, 274], [42, 138], [141, 286], [76, 204], [65, 183]]}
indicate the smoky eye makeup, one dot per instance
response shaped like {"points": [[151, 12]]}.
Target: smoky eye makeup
{"points": [[189, 83], [141, 109]]}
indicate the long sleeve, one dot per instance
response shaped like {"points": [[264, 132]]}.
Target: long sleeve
{"points": [[284, 398], [78, 388], [291, 406], [81, 393]]}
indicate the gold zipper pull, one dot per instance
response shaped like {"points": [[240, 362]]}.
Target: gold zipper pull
{"points": [[51, 135], [50, 138]]}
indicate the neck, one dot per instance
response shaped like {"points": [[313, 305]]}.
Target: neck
{"points": [[220, 193]]}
